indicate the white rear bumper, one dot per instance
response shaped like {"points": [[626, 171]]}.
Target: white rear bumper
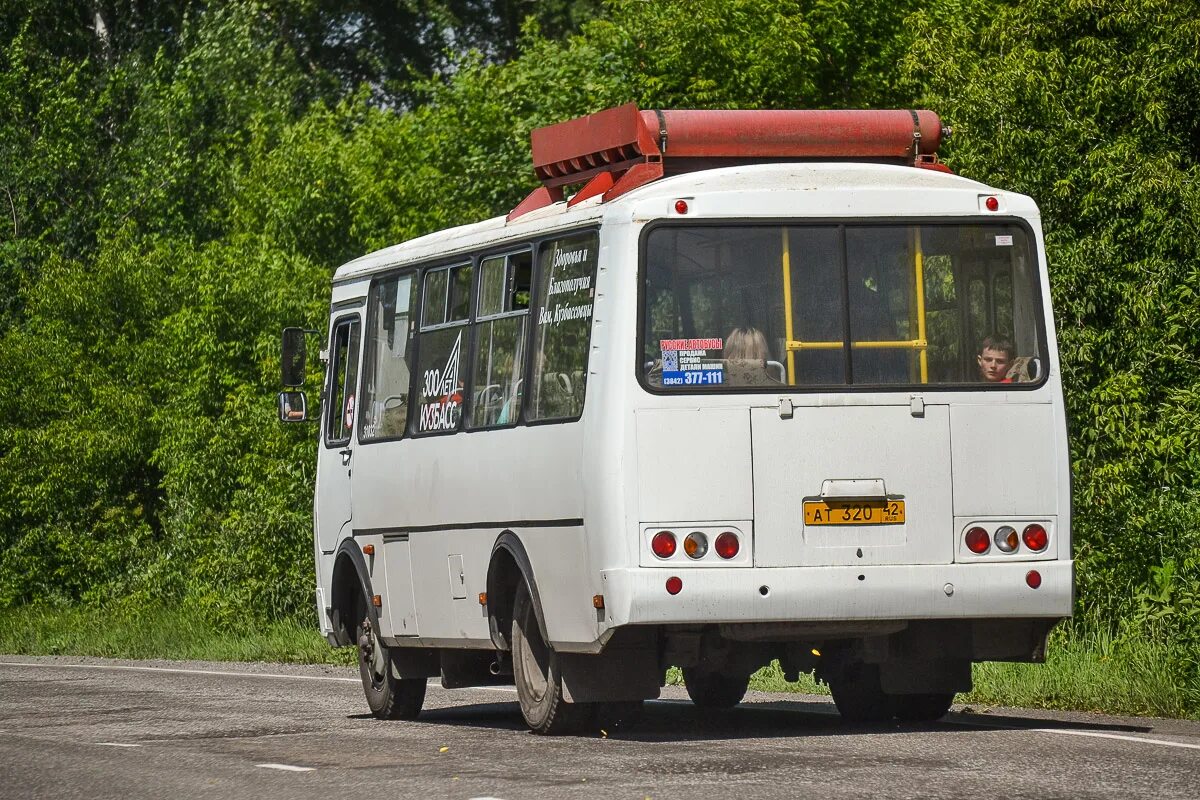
{"points": [[941, 591]]}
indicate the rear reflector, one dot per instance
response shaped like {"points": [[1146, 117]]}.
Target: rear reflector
{"points": [[674, 585], [978, 540], [727, 545], [663, 544], [1033, 578], [1035, 537]]}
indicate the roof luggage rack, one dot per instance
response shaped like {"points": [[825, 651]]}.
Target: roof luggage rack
{"points": [[622, 148]]}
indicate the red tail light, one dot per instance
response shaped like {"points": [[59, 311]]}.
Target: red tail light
{"points": [[1035, 537], [727, 545], [978, 540], [663, 544]]}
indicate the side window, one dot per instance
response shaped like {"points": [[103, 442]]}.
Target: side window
{"points": [[343, 378], [446, 304], [562, 336], [504, 286], [387, 359]]}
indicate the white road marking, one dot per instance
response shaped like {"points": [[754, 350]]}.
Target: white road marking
{"points": [[117, 744], [1100, 735], [180, 670], [286, 767]]}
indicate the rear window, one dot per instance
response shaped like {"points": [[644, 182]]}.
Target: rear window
{"points": [[749, 307]]}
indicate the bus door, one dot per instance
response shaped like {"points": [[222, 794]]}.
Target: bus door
{"points": [[335, 458]]}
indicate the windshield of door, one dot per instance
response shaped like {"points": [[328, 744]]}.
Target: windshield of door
{"points": [[759, 307]]}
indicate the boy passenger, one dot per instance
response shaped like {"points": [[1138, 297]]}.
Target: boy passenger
{"points": [[995, 359]]}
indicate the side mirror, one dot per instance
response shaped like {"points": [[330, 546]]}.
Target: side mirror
{"points": [[293, 407], [294, 357]]}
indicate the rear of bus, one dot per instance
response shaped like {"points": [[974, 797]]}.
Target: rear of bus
{"points": [[850, 438]]}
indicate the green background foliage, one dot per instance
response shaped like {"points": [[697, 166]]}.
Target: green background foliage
{"points": [[179, 180]]}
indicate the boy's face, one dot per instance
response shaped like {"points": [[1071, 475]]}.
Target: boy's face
{"points": [[993, 364]]}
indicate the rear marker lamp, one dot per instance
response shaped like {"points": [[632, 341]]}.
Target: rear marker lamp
{"points": [[978, 540], [1033, 579], [1035, 537], [992, 204], [674, 585], [681, 207], [695, 545], [663, 544], [727, 545], [1006, 538]]}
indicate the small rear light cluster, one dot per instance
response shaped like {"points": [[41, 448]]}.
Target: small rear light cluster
{"points": [[665, 545], [979, 540]]}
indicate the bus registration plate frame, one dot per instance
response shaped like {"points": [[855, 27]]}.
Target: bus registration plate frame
{"points": [[854, 512]]}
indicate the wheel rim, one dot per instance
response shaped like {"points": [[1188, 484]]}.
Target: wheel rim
{"points": [[372, 655], [535, 660]]}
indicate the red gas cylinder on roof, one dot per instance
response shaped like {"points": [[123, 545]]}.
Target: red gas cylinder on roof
{"points": [[621, 148]]}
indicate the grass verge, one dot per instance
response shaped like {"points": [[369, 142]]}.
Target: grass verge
{"points": [[169, 634], [1086, 669]]}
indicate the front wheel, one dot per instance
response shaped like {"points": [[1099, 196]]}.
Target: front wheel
{"points": [[714, 689], [538, 677], [388, 696]]}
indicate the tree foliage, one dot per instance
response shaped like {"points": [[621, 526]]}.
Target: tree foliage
{"points": [[178, 188]]}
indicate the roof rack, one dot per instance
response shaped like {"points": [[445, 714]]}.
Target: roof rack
{"points": [[622, 148]]}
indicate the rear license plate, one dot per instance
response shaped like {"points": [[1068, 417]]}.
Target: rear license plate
{"points": [[854, 512]]}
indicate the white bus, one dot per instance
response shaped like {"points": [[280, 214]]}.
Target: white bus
{"points": [[770, 385]]}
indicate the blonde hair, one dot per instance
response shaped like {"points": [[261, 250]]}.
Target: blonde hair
{"points": [[746, 343]]}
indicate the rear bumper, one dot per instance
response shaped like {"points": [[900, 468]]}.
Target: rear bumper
{"points": [[941, 591]]}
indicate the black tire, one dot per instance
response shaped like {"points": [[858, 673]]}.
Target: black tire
{"points": [[537, 676], [714, 689], [858, 695], [388, 696], [921, 707]]}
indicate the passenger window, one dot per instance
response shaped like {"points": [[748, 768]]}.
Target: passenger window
{"points": [[566, 270], [343, 378], [443, 340], [387, 359], [500, 336]]}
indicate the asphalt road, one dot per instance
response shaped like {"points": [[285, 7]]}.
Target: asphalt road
{"points": [[91, 728]]}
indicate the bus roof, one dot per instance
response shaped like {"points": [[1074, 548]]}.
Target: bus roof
{"points": [[889, 186]]}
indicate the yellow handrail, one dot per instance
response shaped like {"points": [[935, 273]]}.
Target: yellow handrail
{"points": [[912, 344], [787, 305], [919, 259]]}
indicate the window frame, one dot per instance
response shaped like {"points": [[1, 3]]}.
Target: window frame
{"points": [[350, 319], [535, 297], [369, 320], [530, 247], [1037, 266], [467, 324]]}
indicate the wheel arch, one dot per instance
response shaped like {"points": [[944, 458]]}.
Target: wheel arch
{"points": [[350, 585], [508, 565]]}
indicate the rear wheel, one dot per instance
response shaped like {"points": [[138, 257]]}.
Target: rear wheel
{"points": [[921, 707], [714, 689], [388, 696], [537, 675], [859, 696]]}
